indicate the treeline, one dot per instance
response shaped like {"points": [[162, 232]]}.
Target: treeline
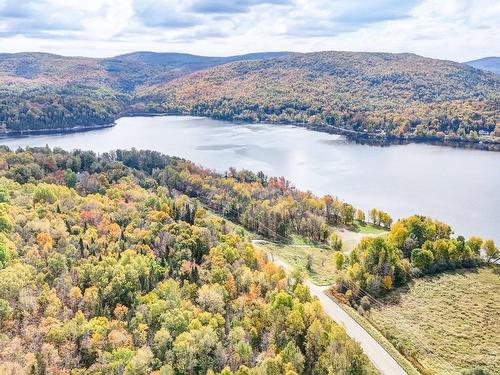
{"points": [[271, 207], [268, 206], [466, 121], [106, 267], [414, 246], [50, 108]]}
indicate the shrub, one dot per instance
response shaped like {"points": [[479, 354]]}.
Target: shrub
{"points": [[416, 272], [365, 303]]}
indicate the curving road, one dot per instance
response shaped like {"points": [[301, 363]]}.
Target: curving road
{"points": [[380, 358]]}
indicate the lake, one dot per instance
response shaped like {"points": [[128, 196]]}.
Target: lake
{"points": [[458, 186]]}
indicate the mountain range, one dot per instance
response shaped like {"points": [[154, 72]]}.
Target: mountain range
{"points": [[490, 64], [363, 95]]}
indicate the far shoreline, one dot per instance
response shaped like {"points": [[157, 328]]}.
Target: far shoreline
{"points": [[369, 139], [73, 129], [377, 140]]}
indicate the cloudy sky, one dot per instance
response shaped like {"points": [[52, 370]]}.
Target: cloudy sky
{"points": [[450, 29]]}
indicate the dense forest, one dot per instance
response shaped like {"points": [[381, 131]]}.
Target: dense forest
{"points": [[132, 262], [415, 246], [365, 95], [32, 108], [373, 96], [108, 267]]}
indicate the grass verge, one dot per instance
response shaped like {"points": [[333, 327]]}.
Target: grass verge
{"points": [[379, 337], [321, 271], [448, 323]]}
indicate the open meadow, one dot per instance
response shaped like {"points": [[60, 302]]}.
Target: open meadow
{"points": [[351, 236], [446, 324], [300, 252], [321, 271]]}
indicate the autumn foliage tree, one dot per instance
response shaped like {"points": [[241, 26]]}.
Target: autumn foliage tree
{"points": [[121, 273]]}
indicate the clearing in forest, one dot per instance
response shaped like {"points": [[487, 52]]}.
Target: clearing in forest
{"points": [[446, 324], [316, 259]]}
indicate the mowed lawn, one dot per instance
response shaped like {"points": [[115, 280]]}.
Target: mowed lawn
{"points": [[448, 323]]}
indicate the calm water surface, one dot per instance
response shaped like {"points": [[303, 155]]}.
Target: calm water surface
{"points": [[460, 187]]}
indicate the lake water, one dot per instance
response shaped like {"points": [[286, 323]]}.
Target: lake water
{"points": [[458, 186]]}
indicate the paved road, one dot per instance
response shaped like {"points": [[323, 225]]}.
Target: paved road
{"points": [[375, 352]]}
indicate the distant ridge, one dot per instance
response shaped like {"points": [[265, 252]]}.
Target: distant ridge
{"points": [[123, 72], [490, 64], [359, 94], [374, 96], [186, 59]]}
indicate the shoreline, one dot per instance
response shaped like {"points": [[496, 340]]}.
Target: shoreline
{"points": [[74, 129], [336, 144], [371, 139], [385, 141]]}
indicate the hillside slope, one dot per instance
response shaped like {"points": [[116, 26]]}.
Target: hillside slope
{"points": [[385, 95], [106, 270], [377, 96], [47, 91], [490, 64], [123, 72]]}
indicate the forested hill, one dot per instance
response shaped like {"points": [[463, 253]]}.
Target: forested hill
{"points": [[123, 72], [365, 95], [398, 95], [46, 91], [490, 64], [106, 270], [130, 262]]}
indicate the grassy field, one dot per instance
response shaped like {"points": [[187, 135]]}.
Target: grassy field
{"points": [[321, 272], [446, 324], [351, 236], [367, 228], [381, 339]]}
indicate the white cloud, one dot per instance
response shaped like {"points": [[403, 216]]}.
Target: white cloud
{"points": [[112, 16], [452, 29]]}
